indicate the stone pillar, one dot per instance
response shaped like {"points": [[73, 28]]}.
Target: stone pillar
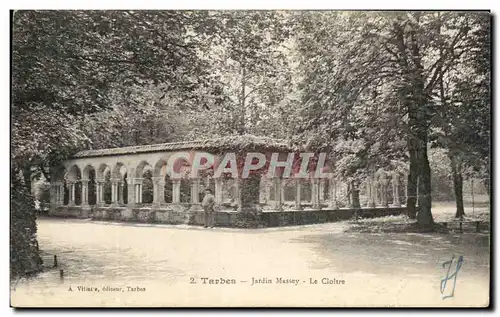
{"points": [[372, 187], [114, 191], [71, 200], [315, 193], [138, 190], [321, 189], [157, 190], [405, 189], [238, 193], [176, 191], [377, 192], [85, 192], [268, 182], [59, 193], [333, 194], [298, 188], [277, 193], [218, 190], [54, 194], [121, 187], [384, 185], [98, 189], [195, 190], [161, 191], [282, 190], [395, 189]]}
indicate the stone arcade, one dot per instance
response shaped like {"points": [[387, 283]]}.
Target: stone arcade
{"points": [[132, 184]]}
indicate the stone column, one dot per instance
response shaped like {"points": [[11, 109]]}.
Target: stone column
{"points": [[315, 193], [218, 190], [195, 191], [138, 190], [333, 194], [85, 192], [377, 192], [282, 190], [395, 189], [298, 188], [97, 192], [176, 191], [238, 193], [62, 193], [161, 191], [384, 185], [121, 187], [54, 194], [157, 190], [405, 189], [71, 200], [372, 187], [321, 190], [114, 191], [277, 193]]}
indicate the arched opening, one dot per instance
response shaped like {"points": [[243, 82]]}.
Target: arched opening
{"points": [[75, 178], [326, 190], [145, 172], [290, 189], [206, 182], [89, 173], [147, 186], [185, 190], [125, 189], [229, 190], [107, 186], [306, 191], [119, 175], [66, 193], [168, 190]]}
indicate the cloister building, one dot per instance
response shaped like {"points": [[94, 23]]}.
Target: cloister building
{"points": [[132, 184]]}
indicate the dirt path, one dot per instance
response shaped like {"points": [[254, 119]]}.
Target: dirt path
{"points": [[377, 269]]}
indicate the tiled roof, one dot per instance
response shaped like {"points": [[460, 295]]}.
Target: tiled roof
{"points": [[233, 142]]}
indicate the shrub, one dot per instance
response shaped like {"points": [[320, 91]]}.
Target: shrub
{"points": [[24, 254]]}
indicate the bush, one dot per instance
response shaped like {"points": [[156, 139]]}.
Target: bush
{"points": [[24, 254]]}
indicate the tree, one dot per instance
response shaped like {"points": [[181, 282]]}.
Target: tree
{"points": [[249, 56], [67, 69], [463, 118], [404, 55]]}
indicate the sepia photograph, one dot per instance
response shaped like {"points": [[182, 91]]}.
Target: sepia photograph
{"points": [[250, 158]]}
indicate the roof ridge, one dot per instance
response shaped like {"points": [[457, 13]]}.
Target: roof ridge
{"points": [[173, 146]]}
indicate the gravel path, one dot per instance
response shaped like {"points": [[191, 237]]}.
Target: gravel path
{"points": [[156, 265]]}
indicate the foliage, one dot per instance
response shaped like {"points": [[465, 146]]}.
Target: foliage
{"points": [[24, 256], [370, 84]]}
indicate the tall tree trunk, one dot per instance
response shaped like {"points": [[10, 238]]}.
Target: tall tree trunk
{"points": [[456, 169], [411, 196], [355, 195], [424, 215]]}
